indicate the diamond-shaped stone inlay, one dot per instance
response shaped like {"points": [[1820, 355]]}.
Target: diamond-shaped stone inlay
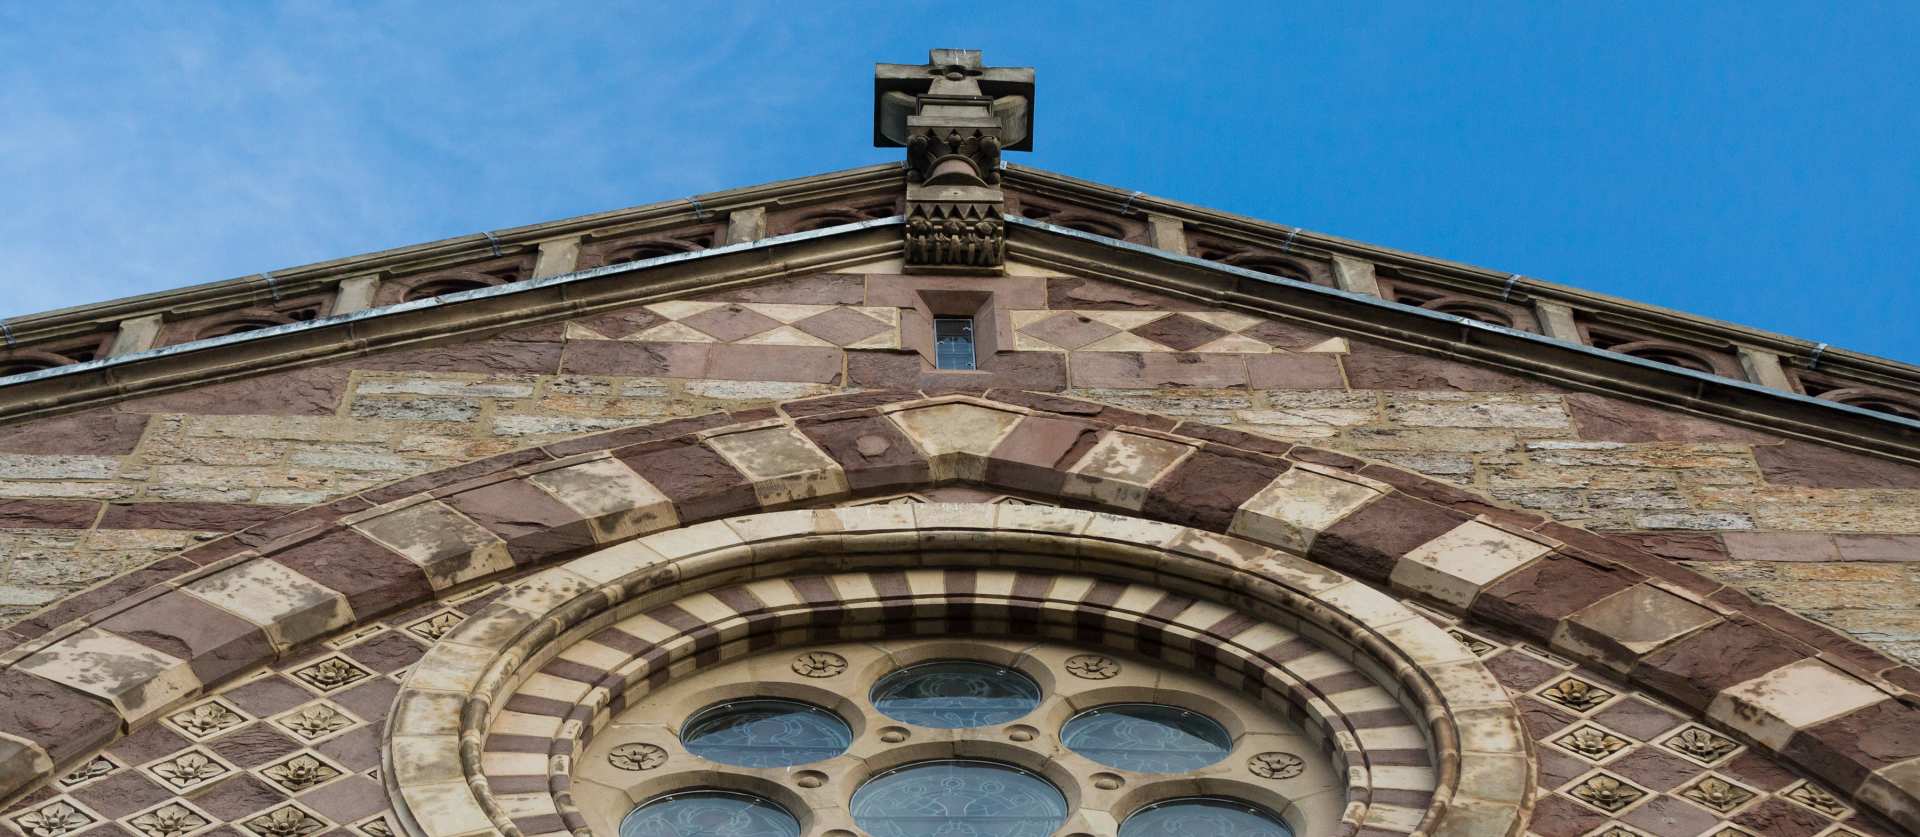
{"points": [[1576, 694], [432, 628], [300, 772], [52, 820], [841, 326], [287, 821], [315, 721], [1608, 793], [1813, 796], [207, 719], [188, 769], [1592, 742], [728, 323], [95, 768], [170, 820], [1180, 332], [1700, 744], [1717, 794], [1069, 330], [331, 673]]}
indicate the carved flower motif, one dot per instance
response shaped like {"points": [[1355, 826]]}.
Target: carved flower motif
{"points": [[1607, 793], [637, 757], [207, 719], [436, 626], [1276, 765], [188, 769], [1592, 742], [98, 767], [1812, 796], [285, 822], [819, 664], [300, 772], [1576, 694], [376, 828], [52, 820], [1477, 646], [1093, 666], [1717, 794], [173, 820], [1702, 744], [316, 720], [331, 673]]}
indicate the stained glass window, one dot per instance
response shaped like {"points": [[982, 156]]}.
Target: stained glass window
{"points": [[1204, 816], [953, 342], [709, 813], [1146, 737], [971, 798], [765, 733], [955, 694]]}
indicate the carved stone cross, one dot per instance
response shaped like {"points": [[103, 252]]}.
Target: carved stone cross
{"points": [[954, 117]]}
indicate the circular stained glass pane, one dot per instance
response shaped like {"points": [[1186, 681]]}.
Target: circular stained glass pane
{"points": [[709, 814], [1204, 815], [765, 732], [955, 694], [1147, 737], [971, 798]]}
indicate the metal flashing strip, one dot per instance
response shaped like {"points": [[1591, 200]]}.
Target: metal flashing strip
{"points": [[448, 299], [1463, 322]]}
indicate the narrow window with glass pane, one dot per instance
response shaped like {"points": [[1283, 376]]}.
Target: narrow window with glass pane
{"points": [[953, 342]]}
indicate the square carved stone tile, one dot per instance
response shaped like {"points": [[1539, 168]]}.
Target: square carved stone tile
{"points": [[316, 721], [302, 772], [98, 767], [189, 769], [177, 818], [1701, 744], [435, 625], [1810, 795], [1718, 794], [208, 718], [1591, 742], [1575, 693], [58, 816], [290, 820], [331, 673], [1606, 792]]}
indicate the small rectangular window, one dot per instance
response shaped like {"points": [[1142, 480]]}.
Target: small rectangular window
{"points": [[953, 342]]}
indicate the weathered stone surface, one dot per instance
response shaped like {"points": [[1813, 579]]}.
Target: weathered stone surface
{"points": [[198, 517], [870, 449], [1144, 370], [93, 432], [1035, 454], [64, 722], [1779, 818], [1817, 466], [1857, 743], [1369, 542], [1206, 489], [634, 358], [1294, 371], [48, 514], [374, 579], [1370, 366], [625, 322], [1180, 332], [1067, 293], [1694, 668], [500, 355], [818, 289], [533, 523], [702, 484], [737, 362], [216, 643], [1536, 597], [1615, 631], [314, 391]]}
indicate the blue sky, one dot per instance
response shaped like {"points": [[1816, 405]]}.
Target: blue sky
{"points": [[1753, 162]]}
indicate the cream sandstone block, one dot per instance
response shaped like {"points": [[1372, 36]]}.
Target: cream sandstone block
{"points": [[137, 680], [957, 437], [289, 606], [1453, 567], [1299, 504], [1772, 707], [785, 467], [617, 502], [449, 548]]}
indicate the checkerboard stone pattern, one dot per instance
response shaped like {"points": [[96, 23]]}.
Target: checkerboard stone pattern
{"points": [[285, 750], [749, 323], [1211, 332], [159, 641]]}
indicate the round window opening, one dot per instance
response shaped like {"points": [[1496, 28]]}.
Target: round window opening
{"points": [[955, 694], [765, 733], [956, 797], [1147, 737], [709, 813], [1204, 815]]}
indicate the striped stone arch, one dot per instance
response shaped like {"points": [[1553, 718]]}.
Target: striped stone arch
{"points": [[120, 655]]}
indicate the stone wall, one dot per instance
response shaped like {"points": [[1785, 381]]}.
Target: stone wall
{"points": [[89, 495]]}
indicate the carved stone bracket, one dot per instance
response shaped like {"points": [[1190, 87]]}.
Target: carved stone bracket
{"points": [[954, 117]]}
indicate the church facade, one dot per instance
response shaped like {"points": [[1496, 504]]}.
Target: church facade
{"points": [[947, 497]]}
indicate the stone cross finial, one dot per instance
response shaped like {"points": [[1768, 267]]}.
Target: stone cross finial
{"points": [[954, 116]]}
